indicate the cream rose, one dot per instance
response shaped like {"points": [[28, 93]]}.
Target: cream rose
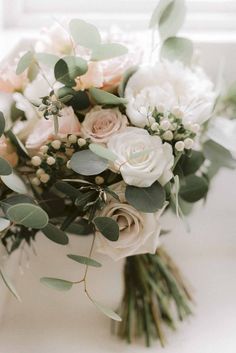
{"points": [[139, 232], [8, 152], [44, 129], [92, 78], [141, 158], [100, 124], [11, 82], [170, 85]]}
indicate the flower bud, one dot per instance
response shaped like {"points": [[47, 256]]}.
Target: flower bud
{"points": [[179, 146], [36, 161]]}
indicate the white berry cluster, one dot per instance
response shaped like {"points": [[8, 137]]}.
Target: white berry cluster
{"points": [[53, 156], [171, 127]]}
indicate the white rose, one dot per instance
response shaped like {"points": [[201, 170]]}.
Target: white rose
{"points": [[170, 85], [139, 232], [141, 158], [100, 124]]}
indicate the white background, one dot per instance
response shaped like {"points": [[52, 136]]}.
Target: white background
{"points": [[52, 322]]}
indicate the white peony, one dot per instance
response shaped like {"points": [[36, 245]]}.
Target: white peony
{"points": [[169, 85], [141, 158], [139, 232]]}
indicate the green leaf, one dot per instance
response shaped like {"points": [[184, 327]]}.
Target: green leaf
{"points": [[84, 260], [107, 227], [106, 98], [47, 59], [148, 199], [4, 223], [191, 164], [9, 285], [168, 16], [67, 189], [55, 234], [80, 227], [24, 62], [2, 124], [17, 143], [87, 163], [13, 200], [102, 152], [56, 283], [29, 215], [177, 48], [68, 68], [107, 311], [84, 34], [15, 183], [108, 51], [218, 155], [194, 188], [5, 167], [128, 73]]}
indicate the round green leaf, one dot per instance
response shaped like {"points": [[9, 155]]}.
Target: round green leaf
{"points": [[81, 227], [102, 152], [68, 68], [47, 59], [218, 155], [56, 283], [55, 234], [147, 200], [87, 163], [177, 48], [17, 143], [106, 98], [194, 188], [5, 167], [84, 34], [107, 227], [84, 260], [15, 183], [24, 62], [158, 12], [172, 18], [29, 215], [191, 164], [14, 200], [107, 311], [108, 51], [128, 73], [2, 124]]}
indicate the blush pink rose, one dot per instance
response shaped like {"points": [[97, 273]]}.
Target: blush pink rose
{"points": [[11, 82], [8, 152], [44, 129], [100, 124], [92, 78]]}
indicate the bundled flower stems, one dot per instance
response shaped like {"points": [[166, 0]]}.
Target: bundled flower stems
{"points": [[101, 142]]}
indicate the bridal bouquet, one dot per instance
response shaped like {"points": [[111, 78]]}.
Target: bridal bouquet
{"points": [[102, 138]]}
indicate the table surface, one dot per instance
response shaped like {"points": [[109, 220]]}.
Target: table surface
{"points": [[48, 321]]}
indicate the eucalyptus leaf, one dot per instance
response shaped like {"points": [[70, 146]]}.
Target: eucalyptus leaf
{"points": [[14, 200], [4, 223], [191, 164], [128, 73], [107, 311], [158, 12], [2, 123], [177, 48], [105, 98], [56, 283], [84, 34], [172, 19], [5, 167], [15, 183], [194, 188], [47, 59], [84, 260], [87, 163], [107, 227], [24, 62], [148, 200], [108, 51], [68, 68], [17, 143], [9, 285], [218, 155], [80, 227], [102, 152], [29, 215], [67, 189], [55, 234]]}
